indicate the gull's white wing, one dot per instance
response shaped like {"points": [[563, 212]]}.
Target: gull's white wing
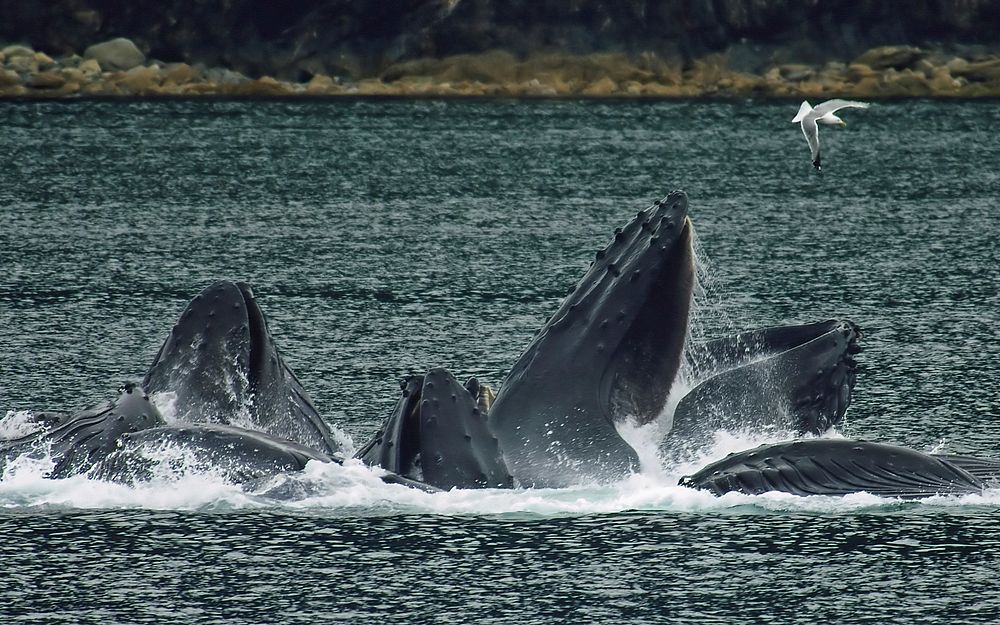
{"points": [[804, 109], [831, 106], [811, 131]]}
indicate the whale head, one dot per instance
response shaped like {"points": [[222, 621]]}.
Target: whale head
{"points": [[222, 366], [610, 352]]}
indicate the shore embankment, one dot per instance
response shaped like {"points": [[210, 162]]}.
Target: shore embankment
{"points": [[118, 68]]}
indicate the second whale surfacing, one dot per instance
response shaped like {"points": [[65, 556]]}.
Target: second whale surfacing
{"points": [[611, 353], [221, 365]]}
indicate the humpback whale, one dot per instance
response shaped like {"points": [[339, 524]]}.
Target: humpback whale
{"points": [[75, 442], [613, 352], [222, 366], [437, 434], [239, 409]]}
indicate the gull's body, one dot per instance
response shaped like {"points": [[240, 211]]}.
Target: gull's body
{"points": [[810, 118]]}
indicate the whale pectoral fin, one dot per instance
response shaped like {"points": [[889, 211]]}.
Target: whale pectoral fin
{"points": [[223, 366], [835, 467], [456, 446]]}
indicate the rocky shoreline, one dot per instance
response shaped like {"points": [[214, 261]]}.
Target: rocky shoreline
{"points": [[117, 68]]}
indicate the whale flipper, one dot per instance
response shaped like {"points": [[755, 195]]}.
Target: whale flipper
{"points": [[835, 467], [610, 352], [223, 366], [795, 378], [437, 434]]}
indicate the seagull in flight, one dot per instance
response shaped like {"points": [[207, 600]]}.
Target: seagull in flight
{"points": [[808, 117]]}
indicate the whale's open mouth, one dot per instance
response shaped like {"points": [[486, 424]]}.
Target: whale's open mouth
{"points": [[222, 365], [612, 350], [649, 356], [437, 434], [258, 334]]}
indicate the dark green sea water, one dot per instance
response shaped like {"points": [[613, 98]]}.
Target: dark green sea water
{"points": [[386, 237]]}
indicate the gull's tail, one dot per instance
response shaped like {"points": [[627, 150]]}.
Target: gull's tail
{"points": [[803, 111]]}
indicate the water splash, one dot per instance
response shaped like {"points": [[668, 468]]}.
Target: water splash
{"points": [[708, 315], [354, 489], [700, 317], [166, 403], [18, 423]]}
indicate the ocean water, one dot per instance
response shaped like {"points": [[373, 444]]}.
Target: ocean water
{"points": [[386, 237]]}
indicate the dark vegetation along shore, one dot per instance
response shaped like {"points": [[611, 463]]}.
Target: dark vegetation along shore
{"points": [[630, 48]]}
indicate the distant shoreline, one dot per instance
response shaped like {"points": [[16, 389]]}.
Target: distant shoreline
{"points": [[116, 69]]}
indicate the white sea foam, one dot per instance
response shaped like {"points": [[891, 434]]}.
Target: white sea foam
{"points": [[166, 403], [354, 489], [17, 423]]}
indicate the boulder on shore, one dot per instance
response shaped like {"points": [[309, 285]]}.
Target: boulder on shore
{"points": [[887, 71], [890, 57], [116, 55], [15, 50]]}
